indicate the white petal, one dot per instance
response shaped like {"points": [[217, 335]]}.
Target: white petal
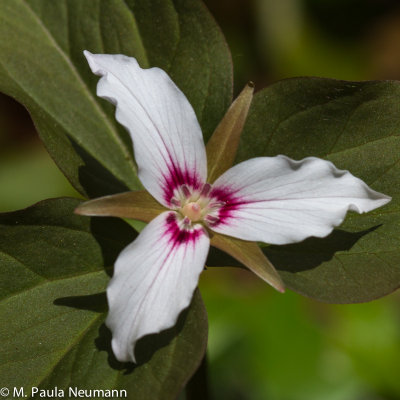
{"points": [[278, 200], [154, 280], [167, 139]]}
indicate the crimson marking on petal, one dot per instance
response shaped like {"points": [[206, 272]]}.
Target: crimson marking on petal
{"points": [[177, 177], [178, 235], [229, 204]]}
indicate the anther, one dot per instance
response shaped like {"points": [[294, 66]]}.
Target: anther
{"points": [[186, 191], [205, 190], [211, 219], [217, 204], [175, 202], [186, 221]]}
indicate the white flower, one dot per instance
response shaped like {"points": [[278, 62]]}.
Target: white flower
{"points": [[270, 199]]}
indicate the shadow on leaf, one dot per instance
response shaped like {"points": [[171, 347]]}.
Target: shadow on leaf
{"points": [[93, 302], [103, 343], [218, 258], [111, 245], [94, 177], [145, 347], [298, 257], [148, 345], [313, 251]]}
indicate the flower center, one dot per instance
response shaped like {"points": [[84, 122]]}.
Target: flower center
{"points": [[196, 205], [193, 211]]}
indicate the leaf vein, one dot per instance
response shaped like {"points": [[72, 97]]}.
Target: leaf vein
{"points": [[96, 105]]}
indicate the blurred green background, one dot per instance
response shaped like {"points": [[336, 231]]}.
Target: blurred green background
{"points": [[264, 345]]}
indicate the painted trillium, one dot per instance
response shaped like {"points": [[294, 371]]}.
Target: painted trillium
{"points": [[269, 199]]}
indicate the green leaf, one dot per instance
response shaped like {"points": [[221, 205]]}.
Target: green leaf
{"points": [[356, 125], [43, 67], [53, 273]]}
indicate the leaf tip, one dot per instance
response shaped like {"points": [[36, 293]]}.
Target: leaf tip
{"points": [[276, 282], [81, 210], [281, 289]]}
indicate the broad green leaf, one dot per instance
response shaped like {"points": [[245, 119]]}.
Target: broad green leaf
{"points": [[53, 268], [42, 66], [355, 125]]}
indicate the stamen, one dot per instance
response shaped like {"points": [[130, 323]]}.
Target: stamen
{"points": [[211, 219], [217, 204], [186, 191], [206, 189], [175, 202], [186, 221]]}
